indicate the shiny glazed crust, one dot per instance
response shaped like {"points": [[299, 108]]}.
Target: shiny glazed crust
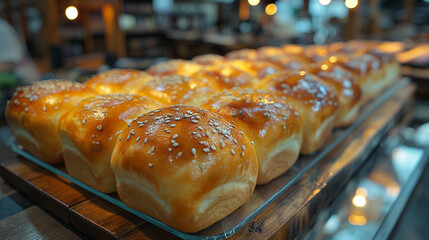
{"points": [[89, 132], [316, 103], [33, 114], [177, 89], [174, 67], [347, 88], [273, 126], [184, 166], [118, 81]]}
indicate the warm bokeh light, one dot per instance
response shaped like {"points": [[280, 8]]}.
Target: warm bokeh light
{"points": [[357, 220], [324, 67], [325, 2], [333, 59], [253, 2], [302, 73], [71, 12], [271, 9], [351, 3], [359, 201]]}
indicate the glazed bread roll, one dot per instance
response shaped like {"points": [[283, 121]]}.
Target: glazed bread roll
{"points": [[177, 89], [249, 54], [209, 59], [89, 132], [34, 111], [345, 86], [118, 81], [316, 103], [225, 76], [185, 166], [257, 68], [367, 68], [174, 67], [273, 126]]}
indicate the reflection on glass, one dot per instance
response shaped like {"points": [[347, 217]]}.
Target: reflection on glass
{"points": [[360, 211]]}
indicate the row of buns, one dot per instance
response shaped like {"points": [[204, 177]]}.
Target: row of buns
{"points": [[187, 141]]}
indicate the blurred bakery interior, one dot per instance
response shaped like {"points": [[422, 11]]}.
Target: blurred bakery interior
{"points": [[76, 39]]}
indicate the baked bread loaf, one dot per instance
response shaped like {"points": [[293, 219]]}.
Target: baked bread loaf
{"points": [[273, 126], [89, 132], [34, 111], [257, 68], [174, 67], [185, 166], [316, 103], [225, 76], [209, 59], [345, 86], [249, 54], [178, 89], [118, 81]]}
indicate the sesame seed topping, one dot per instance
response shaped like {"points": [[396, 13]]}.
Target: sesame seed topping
{"points": [[252, 142], [44, 109], [120, 138], [152, 149], [194, 121], [137, 139], [175, 136], [83, 121], [232, 151], [243, 147], [235, 141], [26, 110], [175, 144], [99, 127], [128, 137], [150, 165], [145, 140], [213, 147], [242, 154], [179, 154], [202, 166], [206, 150], [199, 127], [195, 133], [194, 152], [169, 149], [177, 118]]}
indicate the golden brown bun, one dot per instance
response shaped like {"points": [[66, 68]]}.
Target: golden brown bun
{"points": [[209, 59], [270, 51], [287, 62], [249, 54], [176, 89], [34, 111], [89, 133], [345, 86], [293, 49], [366, 67], [257, 68], [183, 167], [274, 127], [316, 103], [225, 76], [118, 81], [174, 67]]}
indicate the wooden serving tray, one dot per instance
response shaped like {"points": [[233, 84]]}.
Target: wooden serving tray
{"points": [[303, 194]]}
